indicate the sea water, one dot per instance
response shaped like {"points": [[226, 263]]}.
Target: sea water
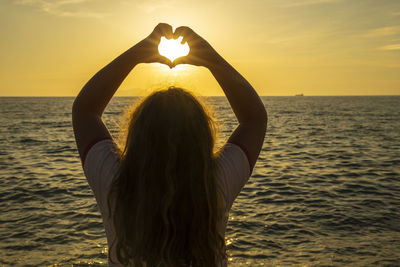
{"points": [[324, 192]]}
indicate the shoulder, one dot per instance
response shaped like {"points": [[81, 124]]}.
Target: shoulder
{"points": [[232, 171], [100, 166], [235, 152], [100, 155]]}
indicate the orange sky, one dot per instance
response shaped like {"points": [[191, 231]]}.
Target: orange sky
{"points": [[283, 47]]}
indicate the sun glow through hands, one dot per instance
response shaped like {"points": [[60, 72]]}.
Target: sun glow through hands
{"points": [[173, 48]]}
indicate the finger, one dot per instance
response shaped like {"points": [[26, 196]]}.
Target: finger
{"points": [[163, 29], [166, 30], [182, 31], [188, 36], [184, 40], [180, 60], [163, 60]]}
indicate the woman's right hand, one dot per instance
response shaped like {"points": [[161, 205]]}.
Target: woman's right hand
{"points": [[201, 52]]}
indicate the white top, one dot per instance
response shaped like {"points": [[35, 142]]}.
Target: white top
{"points": [[101, 165]]}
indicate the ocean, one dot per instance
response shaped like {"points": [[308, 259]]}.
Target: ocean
{"points": [[324, 192]]}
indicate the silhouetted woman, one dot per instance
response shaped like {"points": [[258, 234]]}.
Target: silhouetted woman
{"points": [[165, 195]]}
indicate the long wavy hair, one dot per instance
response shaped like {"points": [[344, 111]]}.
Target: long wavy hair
{"points": [[166, 206]]}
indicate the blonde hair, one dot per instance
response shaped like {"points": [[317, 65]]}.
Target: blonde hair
{"points": [[166, 204]]}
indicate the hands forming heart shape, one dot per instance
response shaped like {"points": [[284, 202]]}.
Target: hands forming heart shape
{"points": [[183, 46]]}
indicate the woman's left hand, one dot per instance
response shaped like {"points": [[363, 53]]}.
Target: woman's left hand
{"points": [[146, 51]]}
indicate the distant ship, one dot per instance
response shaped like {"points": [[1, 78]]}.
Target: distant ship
{"points": [[299, 95]]}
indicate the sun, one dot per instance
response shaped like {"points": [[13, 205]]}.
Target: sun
{"points": [[173, 48]]}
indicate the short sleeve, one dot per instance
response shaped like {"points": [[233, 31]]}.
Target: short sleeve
{"points": [[100, 166], [232, 171]]}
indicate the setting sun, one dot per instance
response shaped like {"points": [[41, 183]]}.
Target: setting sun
{"points": [[173, 48]]}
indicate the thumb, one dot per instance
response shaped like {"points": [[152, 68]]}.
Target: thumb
{"points": [[180, 60], [164, 60]]}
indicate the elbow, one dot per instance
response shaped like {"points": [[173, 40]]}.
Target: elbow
{"points": [[75, 107], [260, 112], [258, 119], [262, 116], [78, 108], [81, 107], [255, 114]]}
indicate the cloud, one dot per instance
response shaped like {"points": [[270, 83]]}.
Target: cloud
{"points": [[62, 8], [384, 31], [390, 47]]}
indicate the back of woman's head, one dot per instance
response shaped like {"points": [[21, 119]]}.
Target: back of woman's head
{"points": [[167, 206]]}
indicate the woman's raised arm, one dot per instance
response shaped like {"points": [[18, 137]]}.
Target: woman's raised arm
{"points": [[98, 91], [244, 100]]}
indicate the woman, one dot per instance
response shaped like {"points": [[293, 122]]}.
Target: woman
{"points": [[164, 196]]}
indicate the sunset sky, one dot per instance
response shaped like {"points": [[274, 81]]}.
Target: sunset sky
{"points": [[283, 47]]}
